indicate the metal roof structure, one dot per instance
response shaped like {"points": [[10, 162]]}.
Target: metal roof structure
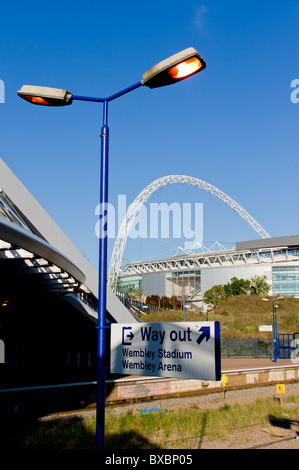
{"points": [[274, 250], [29, 264]]}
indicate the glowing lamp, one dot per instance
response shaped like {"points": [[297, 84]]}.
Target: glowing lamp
{"points": [[174, 69], [186, 68], [45, 96]]}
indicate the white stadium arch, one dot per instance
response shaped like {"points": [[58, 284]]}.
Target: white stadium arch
{"points": [[135, 207]]}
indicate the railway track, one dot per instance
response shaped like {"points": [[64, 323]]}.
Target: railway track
{"points": [[123, 391]]}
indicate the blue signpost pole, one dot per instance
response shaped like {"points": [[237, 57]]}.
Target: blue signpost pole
{"points": [[274, 328], [101, 354], [275, 336], [274, 332], [103, 242]]}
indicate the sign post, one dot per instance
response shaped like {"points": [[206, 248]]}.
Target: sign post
{"points": [[280, 389], [182, 349]]}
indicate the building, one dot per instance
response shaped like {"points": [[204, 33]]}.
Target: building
{"points": [[275, 258], [48, 297]]}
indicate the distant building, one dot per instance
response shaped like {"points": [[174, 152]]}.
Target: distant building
{"points": [[275, 258]]}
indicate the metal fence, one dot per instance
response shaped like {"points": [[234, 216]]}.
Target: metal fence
{"points": [[286, 344], [246, 347], [137, 304], [257, 347]]}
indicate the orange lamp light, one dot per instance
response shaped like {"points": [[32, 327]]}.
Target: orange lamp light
{"points": [[174, 69], [186, 68], [36, 100], [45, 96]]}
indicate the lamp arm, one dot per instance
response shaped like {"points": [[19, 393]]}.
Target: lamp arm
{"points": [[109, 98]]}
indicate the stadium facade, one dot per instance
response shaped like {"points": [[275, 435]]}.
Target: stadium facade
{"points": [[275, 258]]}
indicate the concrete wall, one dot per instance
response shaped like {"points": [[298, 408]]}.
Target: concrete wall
{"points": [[153, 284]]}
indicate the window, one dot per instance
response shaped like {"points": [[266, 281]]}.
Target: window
{"points": [[285, 280]]}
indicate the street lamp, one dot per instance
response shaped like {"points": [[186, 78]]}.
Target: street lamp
{"points": [[274, 323], [208, 310], [169, 71]]}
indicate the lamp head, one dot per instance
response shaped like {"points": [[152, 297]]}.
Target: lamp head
{"points": [[45, 96], [174, 69]]}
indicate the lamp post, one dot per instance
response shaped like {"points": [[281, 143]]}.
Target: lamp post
{"points": [[276, 331], [274, 324], [174, 69], [207, 315]]}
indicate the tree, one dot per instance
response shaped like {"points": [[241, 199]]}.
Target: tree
{"points": [[259, 285], [135, 293], [166, 303], [255, 285], [177, 303], [153, 300], [119, 287], [214, 295], [237, 287], [162, 302], [139, 293]]}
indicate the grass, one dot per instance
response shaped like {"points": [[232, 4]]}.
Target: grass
{"points": [[177, 429], [240, 316]]}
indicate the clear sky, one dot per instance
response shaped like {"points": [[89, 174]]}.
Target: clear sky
{"points": [[232, 125]]}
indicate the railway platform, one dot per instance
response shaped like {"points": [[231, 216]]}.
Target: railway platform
{"points": [[236, 373]]}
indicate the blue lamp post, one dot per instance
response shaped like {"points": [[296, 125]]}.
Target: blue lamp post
{"points": [[207, 314], [274, 324], [169, 71]]}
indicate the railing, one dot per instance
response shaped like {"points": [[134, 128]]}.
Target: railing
{"points": [[246, 347], [257, 347], [286, 345], [138, 305]]}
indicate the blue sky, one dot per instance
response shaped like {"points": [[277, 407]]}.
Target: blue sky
{"points": [[233, 125]]}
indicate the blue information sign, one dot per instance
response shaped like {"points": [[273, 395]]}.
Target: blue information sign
{"points": [[182, 349]]}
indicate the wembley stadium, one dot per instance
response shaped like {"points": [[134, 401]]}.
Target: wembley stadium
{"points": [[275, 258]]}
